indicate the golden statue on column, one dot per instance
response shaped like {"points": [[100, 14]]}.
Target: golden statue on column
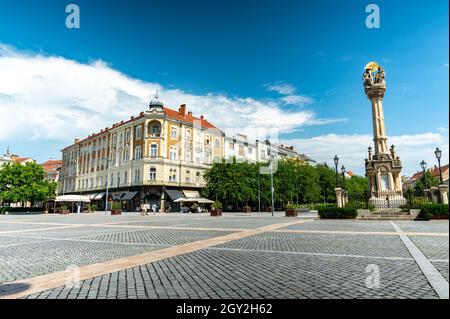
{"points": [[383, 166]]}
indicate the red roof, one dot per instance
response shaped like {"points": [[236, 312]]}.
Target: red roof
{"points": [[51, 166], [21, 159], [434, 171], [187, 118]]}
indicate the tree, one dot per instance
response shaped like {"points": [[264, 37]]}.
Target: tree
{"points": [[327, 183], [357, 184], [25, 183], [426, 182]]}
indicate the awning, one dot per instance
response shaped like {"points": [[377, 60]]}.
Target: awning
{"points": [[191, 193], [91, 196], [99, 196], [116, 195], [128, 195], [72, 198], [199, 200], [174, 194]]}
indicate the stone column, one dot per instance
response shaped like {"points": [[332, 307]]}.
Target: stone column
{"points": [[443, 192], [339, 197], [391, 182]]}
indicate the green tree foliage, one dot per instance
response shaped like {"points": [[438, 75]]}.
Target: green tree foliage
{"points": [[357, 184], [426, 182], [238, 184], [25, 183]]}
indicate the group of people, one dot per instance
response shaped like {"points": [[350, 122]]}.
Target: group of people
{"points": [[145, 208]]}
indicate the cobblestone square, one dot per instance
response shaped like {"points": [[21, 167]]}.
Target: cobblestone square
{"points": [[234, 256]]}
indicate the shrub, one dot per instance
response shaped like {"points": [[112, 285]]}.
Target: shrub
{"points": [[22, 209], [337, 212], [92, 207], [116, 205], [217, 205], [3, 210], [64, 207], [293, 206], [434, 211]]}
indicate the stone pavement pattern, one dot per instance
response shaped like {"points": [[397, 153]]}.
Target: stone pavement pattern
{"points": [[278, 262]]}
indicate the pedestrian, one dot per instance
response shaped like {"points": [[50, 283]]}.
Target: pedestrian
{"points": [[142, 209], [154, 209]]}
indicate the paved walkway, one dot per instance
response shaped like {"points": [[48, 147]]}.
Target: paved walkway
{"points": [[234, 256]]}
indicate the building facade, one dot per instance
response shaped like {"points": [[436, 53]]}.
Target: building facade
{"points": [[154, 158]]}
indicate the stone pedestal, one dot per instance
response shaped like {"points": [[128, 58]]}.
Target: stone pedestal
{"points": [[435, 196], [443, 192], [340, 201]]}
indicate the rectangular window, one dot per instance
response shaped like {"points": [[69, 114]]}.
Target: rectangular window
{"points": [[138, 132], [137, 153], [217, 143], [152, 174], [173, 154], [230, 146], [241, 150], [154, 150], [173, 133]]}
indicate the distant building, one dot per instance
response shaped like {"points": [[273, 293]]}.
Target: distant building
{"points": [[22, 160], [12, 158], [411, 181], [51, 169], [154, 158], [6, 158]]}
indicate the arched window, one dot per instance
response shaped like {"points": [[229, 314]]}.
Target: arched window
{"points": [[154, 129], [197, 177], [173, 132], [188, 135]]}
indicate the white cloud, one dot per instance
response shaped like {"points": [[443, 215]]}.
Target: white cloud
{"points": [[297, 100], [288, 90], [53, 98], [281, 88], [352, 149]]}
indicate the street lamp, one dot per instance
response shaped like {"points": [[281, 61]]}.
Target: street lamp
{"points": [[438, 154], [343, 176], [108, 164], [271, 176], [336, 162], [423, 165]]}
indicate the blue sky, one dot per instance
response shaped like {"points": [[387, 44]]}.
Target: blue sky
{"points": [[239, 50]]}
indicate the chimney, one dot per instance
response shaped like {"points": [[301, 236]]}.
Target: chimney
{"points": [[141, 114], [132, 117], [77, 140], [202, 117], [182, 110], [190, 113]]}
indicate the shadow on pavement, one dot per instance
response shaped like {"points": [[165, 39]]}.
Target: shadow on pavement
{"points": [[11, 289]]}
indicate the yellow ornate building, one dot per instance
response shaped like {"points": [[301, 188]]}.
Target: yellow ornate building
{"points": [[154, 158]]}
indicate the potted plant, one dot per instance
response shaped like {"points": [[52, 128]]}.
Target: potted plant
{"points": [[92, 208], [216, 209], [246, 209], [64, 210], [116, 208], [291, 210]]}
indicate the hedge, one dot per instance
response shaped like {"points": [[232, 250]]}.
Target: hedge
{"points": [[433, 211], [21, 209], [337, 212]]}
